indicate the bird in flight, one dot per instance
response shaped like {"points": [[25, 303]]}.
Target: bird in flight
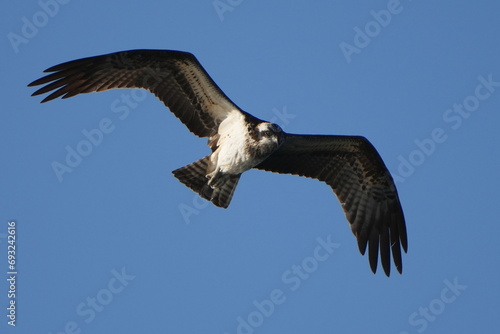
{"points": [[350, 165]]}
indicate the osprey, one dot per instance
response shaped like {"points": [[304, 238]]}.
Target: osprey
{"points": [[350, 165]]}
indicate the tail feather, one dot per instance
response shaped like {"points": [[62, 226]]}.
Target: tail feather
{"points": [[194, 177], [222, 196]]}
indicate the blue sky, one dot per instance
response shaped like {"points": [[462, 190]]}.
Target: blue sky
{"points": [[118, 245]]}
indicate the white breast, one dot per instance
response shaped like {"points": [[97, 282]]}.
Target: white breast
{"points": [[232, 156]]}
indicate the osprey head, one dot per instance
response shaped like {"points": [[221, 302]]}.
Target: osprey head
{"points": [[270, 134]]}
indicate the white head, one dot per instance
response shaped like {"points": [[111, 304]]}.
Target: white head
{"points": [[270, 133]]}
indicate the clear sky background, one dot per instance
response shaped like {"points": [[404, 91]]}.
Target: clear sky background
{"points": [[118, 245]]}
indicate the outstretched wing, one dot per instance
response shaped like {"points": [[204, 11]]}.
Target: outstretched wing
{"points": [[175, 77], [362, 183]]}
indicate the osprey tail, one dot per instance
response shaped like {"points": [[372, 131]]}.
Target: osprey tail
{"points": [[194, 176]]}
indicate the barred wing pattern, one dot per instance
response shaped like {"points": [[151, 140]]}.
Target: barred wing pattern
{"points": [[362, 183], [175, 77]]}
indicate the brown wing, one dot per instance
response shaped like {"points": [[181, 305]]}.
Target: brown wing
{"points": [[175, 77], [362, 183]]}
